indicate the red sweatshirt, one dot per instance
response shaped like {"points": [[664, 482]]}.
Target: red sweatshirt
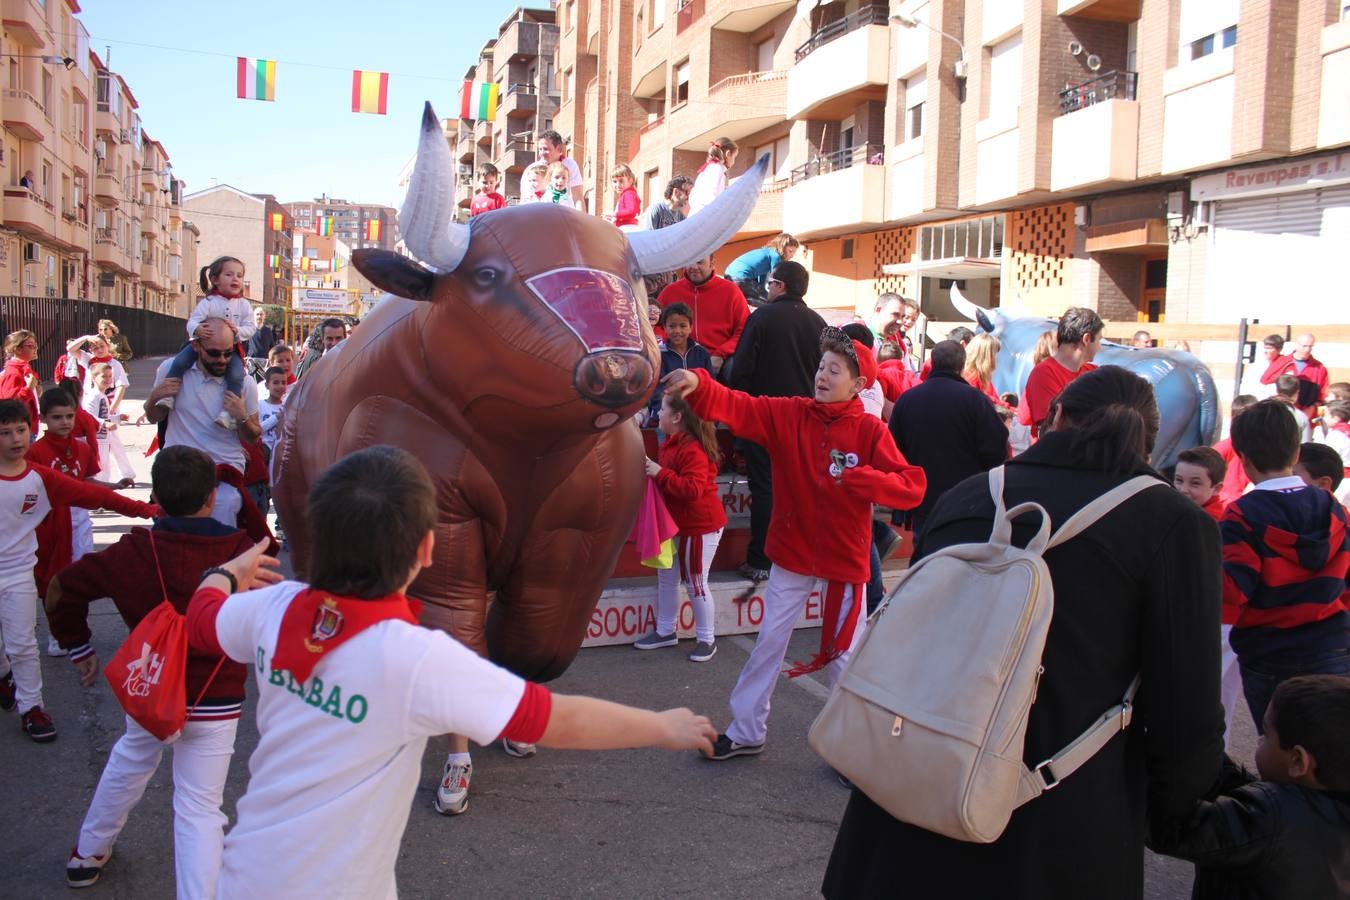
{"points": [[688, 483], [821, 525], [1313, 372], [719, 310], [895, 378], [627, 208], [77, 459], [1235, 481], [14, 386]]}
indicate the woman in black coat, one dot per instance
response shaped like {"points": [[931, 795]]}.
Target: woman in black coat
{"points": [[1138, 592]]}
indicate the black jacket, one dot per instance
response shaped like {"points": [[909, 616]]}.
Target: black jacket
{"points": [[1138, 592], [263, 340], [1264, 841], [950, 430], [779, 350]]}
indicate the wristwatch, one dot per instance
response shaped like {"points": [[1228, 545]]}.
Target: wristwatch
{"points": [[217, 570]]}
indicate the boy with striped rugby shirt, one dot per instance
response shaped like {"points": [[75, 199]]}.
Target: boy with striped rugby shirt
{"points": [[350, 688]]}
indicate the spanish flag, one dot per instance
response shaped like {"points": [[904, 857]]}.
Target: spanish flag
{"points": [[256, 79], [478, 100], [278, 221], [370, 92], [304, 263], [373, 229]]}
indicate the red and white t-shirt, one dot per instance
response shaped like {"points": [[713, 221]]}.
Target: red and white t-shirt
{"points": [[339, 756]]}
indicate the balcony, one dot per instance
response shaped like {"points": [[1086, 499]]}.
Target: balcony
{"points": [[518, 42], [464, 149], [687, 12], [836, 193], [106, 251], [107, 188], [1101, 10], [24, 115], [846, 62], [482, 133], [26, 22], [27, 212], [767, 216], [736, 107], [520, 101], [517, 154], [107, 122], [1096, 137], [745, 16]]}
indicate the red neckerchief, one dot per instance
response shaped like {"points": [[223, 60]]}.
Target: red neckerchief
{"points": [[1342, 427], [95, 360], [317, 623], [220, 293], [835, 639]]}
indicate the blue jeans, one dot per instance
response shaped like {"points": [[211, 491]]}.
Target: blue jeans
{"points": [[1261, 677], [234, 369]]}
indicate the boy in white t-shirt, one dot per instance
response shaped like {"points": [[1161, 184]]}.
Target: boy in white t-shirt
{"points": [[270, 409], [342, 728]]}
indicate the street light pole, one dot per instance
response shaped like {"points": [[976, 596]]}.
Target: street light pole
{"points": [[959, 68]]}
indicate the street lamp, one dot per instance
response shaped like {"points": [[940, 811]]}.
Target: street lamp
{"points": [[959, 68], [66, 61]]}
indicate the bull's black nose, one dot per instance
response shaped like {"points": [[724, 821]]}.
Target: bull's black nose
{"points": [[614, 378]]}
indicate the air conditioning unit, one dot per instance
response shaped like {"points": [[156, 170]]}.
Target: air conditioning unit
{"points": [[30, 251]]}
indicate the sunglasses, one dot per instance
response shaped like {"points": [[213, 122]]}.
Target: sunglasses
{"points": [[216, 354]]}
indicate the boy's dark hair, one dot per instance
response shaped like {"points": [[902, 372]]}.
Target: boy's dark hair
{"points": [[888, 350], [330, 323], [834, 340], [1208, 459], [182, 478], [793, 275], [1009, 398], [488, 168], [1320, 461], [1274, 340], [680, 182], [54, 398], [1340, 409], [860, 333], [1077, 323], [1287, 386], [1267, 435], [961, 334], [1114, 417], [273, 370], [12, 411], [949, 356], [368, 512], [552, 137], [1242, 402], [1339, 390], [1313, 711], [676, 309]]}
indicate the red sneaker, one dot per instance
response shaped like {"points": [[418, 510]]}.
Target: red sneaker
{"points": [[39, 725]]}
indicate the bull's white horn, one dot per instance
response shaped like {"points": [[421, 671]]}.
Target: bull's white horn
{"points": [[970, 310], [427, 218], [676, 246]]}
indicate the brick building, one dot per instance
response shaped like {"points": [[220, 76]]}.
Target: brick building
{"points": [[243, 225], [351, 221]]}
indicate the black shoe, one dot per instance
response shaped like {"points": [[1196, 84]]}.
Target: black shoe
{"points": [[745, 570], [38, 725], [888, 544], [726, 748]]}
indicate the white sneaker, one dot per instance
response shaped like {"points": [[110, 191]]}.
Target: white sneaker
{"points": [[54, 649], [518, 749], [452, 795], [226, 421]]}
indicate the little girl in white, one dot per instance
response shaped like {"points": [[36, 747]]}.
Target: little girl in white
{"points": [[687, 477], [223, 284], [712, 177]]}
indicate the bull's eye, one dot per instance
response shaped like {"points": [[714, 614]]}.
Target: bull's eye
{"points": [[485, 277]]}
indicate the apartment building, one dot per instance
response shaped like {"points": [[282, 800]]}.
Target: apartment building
{"points": [[254, 228], [521, 61], [89, 200], [1157, 160], [352, 222]]}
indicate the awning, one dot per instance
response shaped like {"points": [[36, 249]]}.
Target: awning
{"points": [[955, 267]]}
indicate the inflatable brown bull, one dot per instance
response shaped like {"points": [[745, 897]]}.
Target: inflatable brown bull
{"points": [[512, 368]]}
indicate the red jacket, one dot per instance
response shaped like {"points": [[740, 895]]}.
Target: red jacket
{"points": [[688, 483], [895, 378], [821, 525], [719, 310], [126, 572], [627, 208], [485, 202], [14, 386], [1235, 480], [1313, 372], [77, 459]]}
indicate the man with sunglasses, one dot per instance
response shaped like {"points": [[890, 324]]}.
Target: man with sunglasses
{"points": [[200, 395]]}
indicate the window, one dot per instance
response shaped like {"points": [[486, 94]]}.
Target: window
{"points": [[47, 93], [1205, 27], [978, 238], [764, 56], [652, 190], [916, 95], [1004, 97], [681, 90]]}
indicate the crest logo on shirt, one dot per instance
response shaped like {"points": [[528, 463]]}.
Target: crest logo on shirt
{"points": [[29, 501], [327, 625]]}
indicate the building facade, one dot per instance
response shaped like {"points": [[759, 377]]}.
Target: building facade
{"points": [[358, 225], [254, 228], [90, 200]]}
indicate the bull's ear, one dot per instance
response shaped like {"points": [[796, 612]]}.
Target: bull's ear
{"points": [[396, 274]]}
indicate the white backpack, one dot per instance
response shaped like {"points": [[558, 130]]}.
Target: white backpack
{"points": [[929, 717]]}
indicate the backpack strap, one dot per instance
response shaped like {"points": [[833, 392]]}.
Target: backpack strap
{"points": [[1051, 772]]}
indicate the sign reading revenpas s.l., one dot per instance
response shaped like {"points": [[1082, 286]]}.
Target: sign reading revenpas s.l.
{"points": [[319, 301]]}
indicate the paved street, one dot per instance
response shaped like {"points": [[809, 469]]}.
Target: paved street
{"points": [[563, 824]]}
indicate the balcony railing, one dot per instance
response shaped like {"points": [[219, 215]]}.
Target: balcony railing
{"points": [[868, 15], [521, 142], [1118, 84], [105, 236], [862, 154], [748, 78], [518, 89]]}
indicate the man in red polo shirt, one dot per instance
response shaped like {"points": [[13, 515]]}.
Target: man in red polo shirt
{"points": [[1309, 370], [1080, 337]]}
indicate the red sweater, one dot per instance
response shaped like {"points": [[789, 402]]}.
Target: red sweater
{"points": [[821, 525], [484, 202], [895, 378], [1214, 506], [14, 386], [1235, 480], [627, 208], [719, 310], [74, 458], [688, 483], [1313, 372], [126, 573], [1043, 385]]}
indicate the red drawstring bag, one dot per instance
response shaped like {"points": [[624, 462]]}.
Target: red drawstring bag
{"points": [[148, 672]]}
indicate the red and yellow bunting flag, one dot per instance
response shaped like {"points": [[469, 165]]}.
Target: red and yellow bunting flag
{"points": [[373, 229], [304, 264], [370, 91], [325, 224], [278, 221], [478, 100], [255, 79]]}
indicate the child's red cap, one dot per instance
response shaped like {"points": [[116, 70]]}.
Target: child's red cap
{"points": [[867, 361]]}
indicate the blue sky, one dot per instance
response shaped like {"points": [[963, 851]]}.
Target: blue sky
{"points": [[308, 142]]}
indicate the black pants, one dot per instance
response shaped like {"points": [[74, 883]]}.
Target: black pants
{"points": [[757, 470]]}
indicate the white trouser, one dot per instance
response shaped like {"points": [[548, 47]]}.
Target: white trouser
{"points": [[201, 761], [693, 559], [110, 444], [228, 503], [18, 636], [785, 596], [1230, 683]]}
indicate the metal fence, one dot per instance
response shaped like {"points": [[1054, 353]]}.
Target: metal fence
{"points": [[1113, 85], [56, 320]]}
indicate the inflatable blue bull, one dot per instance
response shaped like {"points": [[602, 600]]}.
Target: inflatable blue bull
{"points": [[1187, 399]]}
